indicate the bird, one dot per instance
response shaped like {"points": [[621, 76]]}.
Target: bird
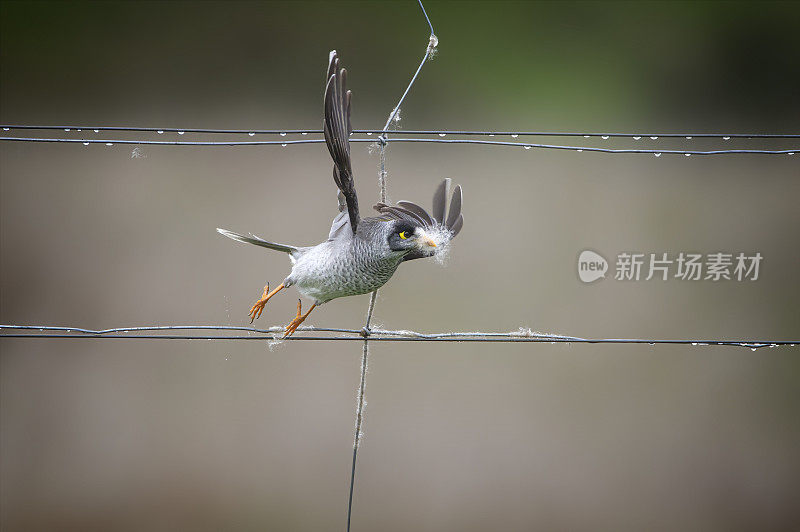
{"points": [[360, 254]]}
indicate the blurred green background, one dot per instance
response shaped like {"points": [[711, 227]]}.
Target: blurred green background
{"points": [[168, 435]]}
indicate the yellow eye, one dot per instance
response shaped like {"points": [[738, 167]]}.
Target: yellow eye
{"points": [[404, 235]]}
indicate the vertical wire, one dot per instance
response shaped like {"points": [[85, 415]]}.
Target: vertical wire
{"points": [[382, 171], [360, 409], [365, 357], [433, 41], [403, 97], [426, 17]]}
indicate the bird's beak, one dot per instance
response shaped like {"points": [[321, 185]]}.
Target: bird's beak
{"points": [[425, 240]]}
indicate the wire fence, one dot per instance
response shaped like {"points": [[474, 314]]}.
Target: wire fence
{"points": [[341, 334], [485, 133], [421, 136], [386, 140]]}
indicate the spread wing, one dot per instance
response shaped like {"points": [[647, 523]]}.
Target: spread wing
{"points": [[413, 213], [337, 128]]}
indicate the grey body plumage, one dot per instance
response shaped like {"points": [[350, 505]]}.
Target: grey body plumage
{"points": [[361, 254], [346, 266]]}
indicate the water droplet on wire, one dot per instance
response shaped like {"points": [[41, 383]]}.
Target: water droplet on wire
{"points": [[306, 133], [85, 143], [514, 136], [251, 133], [109, 143], [160, 131], [687, 154], [586, 136], [688, 138], [283, 134], [653, 138], [5, 129], [97, 131], [67, 129], [605, 137], [527, 147], [657, 154], [636, 138], [726, 138], [283, 145], [442, 134], [181, 132]]}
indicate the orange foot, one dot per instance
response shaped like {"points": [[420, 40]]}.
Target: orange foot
{"points": [[258, 308], [295, 323]]}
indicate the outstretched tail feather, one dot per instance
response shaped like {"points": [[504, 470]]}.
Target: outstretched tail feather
{"points": [[440, 200], [455, 207], [457, 225], [252, 239]]}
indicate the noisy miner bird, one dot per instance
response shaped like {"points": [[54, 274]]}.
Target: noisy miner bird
{"points": [[360, 254]]}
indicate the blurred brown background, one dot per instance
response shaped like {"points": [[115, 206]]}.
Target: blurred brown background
{"points": [[178, 435]]}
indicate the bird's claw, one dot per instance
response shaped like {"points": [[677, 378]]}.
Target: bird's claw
{"points": [[295, 323], [292, 327], [258, 308]]}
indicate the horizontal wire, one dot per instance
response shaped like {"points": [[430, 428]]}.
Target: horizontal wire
{"points": [[656, 152], [111, 142], [485, 133], [522, 335]]}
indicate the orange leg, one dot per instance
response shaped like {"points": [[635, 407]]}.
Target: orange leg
{"points": [[295, 323], [258, 308]]}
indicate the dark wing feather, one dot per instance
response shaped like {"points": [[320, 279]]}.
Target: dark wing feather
{"points": [[390, 213], [416, 209], [400, 213], [337, 129]]}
